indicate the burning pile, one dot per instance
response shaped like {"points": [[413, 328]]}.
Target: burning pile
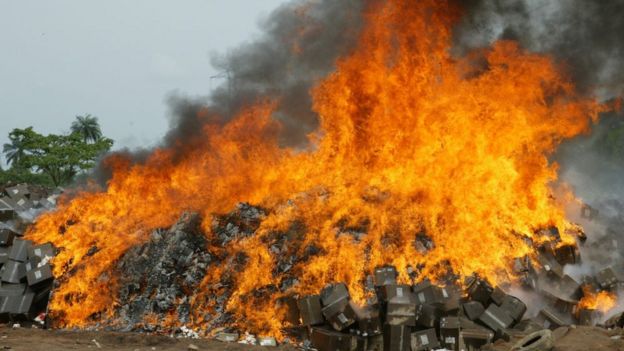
{"points": [[423, 316], [161, 288], [434, 164]]}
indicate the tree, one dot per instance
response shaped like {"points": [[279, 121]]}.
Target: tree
{"points": [[61, 157], [88, 127], [13, 151], [17, 175]]}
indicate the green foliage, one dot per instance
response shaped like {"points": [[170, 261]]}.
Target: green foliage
{"points": [[59, 157], [14, 152], [88, 127], [21, 175]]}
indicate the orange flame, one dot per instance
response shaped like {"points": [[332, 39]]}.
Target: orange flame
{"points": [[411, 140], [602, 301]]}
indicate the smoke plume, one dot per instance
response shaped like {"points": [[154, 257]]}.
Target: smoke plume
{"points": [[299, 45], [583, 35], [301, 41]]}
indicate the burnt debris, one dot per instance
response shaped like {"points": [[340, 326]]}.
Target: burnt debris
{"points": [[469, 315], [159, 280]]}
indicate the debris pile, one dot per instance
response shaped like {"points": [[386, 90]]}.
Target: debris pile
{"points": [[158, 277], [423, 316], [161, 282], [25, 269], [470, 315]]}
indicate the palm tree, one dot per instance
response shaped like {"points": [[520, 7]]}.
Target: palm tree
{"points": [[88, 127], [14, 152]]}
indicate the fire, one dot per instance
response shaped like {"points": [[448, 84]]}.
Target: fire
{"points": [[412, 141], [602, 301]]}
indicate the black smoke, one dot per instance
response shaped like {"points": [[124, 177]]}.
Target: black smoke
{"points": [[302, 39], [299, 45], [585, 37]]}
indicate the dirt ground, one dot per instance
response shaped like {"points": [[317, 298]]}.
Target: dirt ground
{"points": [[579, 339], [27, 339]]}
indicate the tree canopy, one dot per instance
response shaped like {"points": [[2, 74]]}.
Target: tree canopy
{"points": [[57, 156], [88, 127], [14, 151]]}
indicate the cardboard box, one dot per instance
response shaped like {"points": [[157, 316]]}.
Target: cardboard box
{"points": [[310, 310]]}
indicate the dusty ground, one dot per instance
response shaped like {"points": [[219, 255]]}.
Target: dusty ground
{"points": [[580, 339], [28, 339]]}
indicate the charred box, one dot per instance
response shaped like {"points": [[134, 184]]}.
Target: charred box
{"points": [[430, 294], [401, 310], [549, 319], [339, 314], [513, 307], [606, 278], [310, 310], [334, 292], [387, 292], [41, 251], [6, 237], [368, 319], [476, 337], [40, 275], [496, 318], [588, 316], [473, 309], [16, 304], [4, 255], [423, 340], [427, 316], [449, 332], [13, 271], [480, 290], [19, 250], [386, 275], [396, 338], [329, 340]]}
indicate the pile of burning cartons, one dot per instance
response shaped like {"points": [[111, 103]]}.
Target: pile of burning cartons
{"points": [[160, 277], [423, 316], [22, 203], [25, 272], [157, 277], [401, 317]]}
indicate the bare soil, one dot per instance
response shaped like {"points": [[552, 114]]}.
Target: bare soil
{"points": [[579, 339], [31, 339]]}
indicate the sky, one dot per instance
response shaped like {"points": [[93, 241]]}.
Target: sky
{"points": [[116, 59]]}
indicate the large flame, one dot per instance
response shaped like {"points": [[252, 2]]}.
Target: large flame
{"points": [[412, 141], [603, 301]]}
